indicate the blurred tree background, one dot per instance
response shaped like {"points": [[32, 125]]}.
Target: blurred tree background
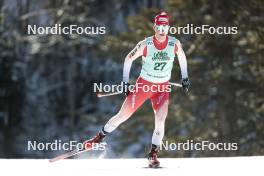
{"points": [[46, 81]]}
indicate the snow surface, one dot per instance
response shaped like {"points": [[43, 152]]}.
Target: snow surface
{"points": [[137, 167]]}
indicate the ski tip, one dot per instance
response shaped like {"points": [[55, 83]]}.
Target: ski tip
{"points": [[53, 160]]}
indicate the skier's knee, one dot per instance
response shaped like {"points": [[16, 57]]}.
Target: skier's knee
{"points": [[161, 116], [121, 117], [124, 114], [162, 112]]}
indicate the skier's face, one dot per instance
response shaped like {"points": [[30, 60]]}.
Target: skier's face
{"points": [[161, 29]]}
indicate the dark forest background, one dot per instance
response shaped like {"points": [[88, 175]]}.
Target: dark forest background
{"points": [[46, 82]]}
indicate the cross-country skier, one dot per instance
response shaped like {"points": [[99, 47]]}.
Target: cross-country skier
{"points": [[157, 54]]}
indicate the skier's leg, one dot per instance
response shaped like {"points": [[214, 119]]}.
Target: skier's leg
{"points": [[160, 116], [131, 104], [133, 101], [160, 103]]}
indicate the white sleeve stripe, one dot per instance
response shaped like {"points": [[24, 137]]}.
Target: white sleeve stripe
{"points": [[182, 62], [126, 69]]}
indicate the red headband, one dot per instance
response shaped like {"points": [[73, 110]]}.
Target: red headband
{"points": [[162, 18]]}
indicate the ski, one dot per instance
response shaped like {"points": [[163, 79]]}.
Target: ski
{"points": [[72, 153], [68, 154], [87, 145]]}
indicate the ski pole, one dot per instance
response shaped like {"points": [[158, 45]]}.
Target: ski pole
{"points": [[99, 95], [175, 84]]}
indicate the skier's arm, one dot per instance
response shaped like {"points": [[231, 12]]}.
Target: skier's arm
{"points": [[133, 55], [182, 60], [183, 65]]}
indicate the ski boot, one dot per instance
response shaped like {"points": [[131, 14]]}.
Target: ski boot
{"points": [[88, 144], [153, 158]]}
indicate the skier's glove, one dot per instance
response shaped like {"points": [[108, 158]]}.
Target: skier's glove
{"points": [[125, 88], [185, 84]]}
